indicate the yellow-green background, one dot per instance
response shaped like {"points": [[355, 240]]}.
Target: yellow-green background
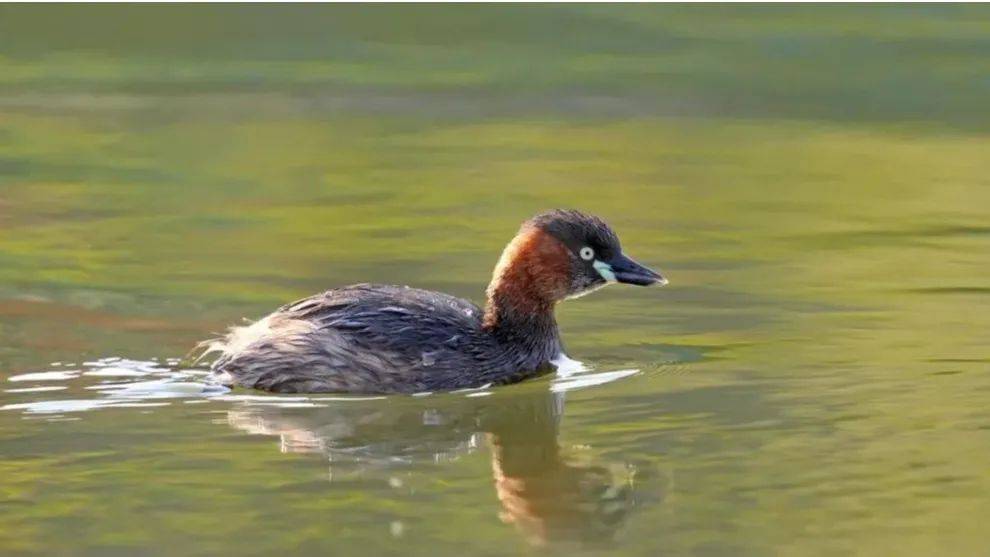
{"points": [[814, 180]]}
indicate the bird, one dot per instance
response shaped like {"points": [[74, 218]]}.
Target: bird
{"points": [[382, 339]]}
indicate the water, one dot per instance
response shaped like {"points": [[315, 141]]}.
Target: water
{"points": [[813, 181]]}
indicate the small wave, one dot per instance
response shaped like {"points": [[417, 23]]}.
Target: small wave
{"points": [[45, 376], [116, 382], [585, 380], [125, 383]]}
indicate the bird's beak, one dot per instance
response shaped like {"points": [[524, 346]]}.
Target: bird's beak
{"points": [[625, 270]]}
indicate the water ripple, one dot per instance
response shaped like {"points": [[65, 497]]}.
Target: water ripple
{"points": [[124, 383]]}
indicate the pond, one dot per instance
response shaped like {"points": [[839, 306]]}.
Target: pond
{"points": [[814, 181]]}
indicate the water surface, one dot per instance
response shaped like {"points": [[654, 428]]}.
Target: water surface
{"points": [[813, 181]]}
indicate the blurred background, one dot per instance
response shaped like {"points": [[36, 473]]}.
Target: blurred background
{"points": [[814, 180]]}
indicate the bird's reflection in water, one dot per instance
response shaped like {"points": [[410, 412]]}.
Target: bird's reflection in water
{"points": [[548, 493]]}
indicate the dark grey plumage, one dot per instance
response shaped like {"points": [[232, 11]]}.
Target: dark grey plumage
{"points": [[371, 338]]}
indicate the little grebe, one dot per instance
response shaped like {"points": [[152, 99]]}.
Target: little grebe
{"points": [[393, 339]]}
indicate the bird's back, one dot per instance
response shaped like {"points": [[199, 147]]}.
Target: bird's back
{"points": [[362, 338]]}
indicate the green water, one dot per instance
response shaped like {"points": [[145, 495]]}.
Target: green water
{"points": [[814, 181]]}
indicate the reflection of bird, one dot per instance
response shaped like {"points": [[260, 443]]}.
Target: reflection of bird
{"points": [[547, 495], [366, 434], [383, 339], [553, 500]]}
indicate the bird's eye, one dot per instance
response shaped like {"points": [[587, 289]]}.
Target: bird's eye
{"points": [[587, 253]]}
